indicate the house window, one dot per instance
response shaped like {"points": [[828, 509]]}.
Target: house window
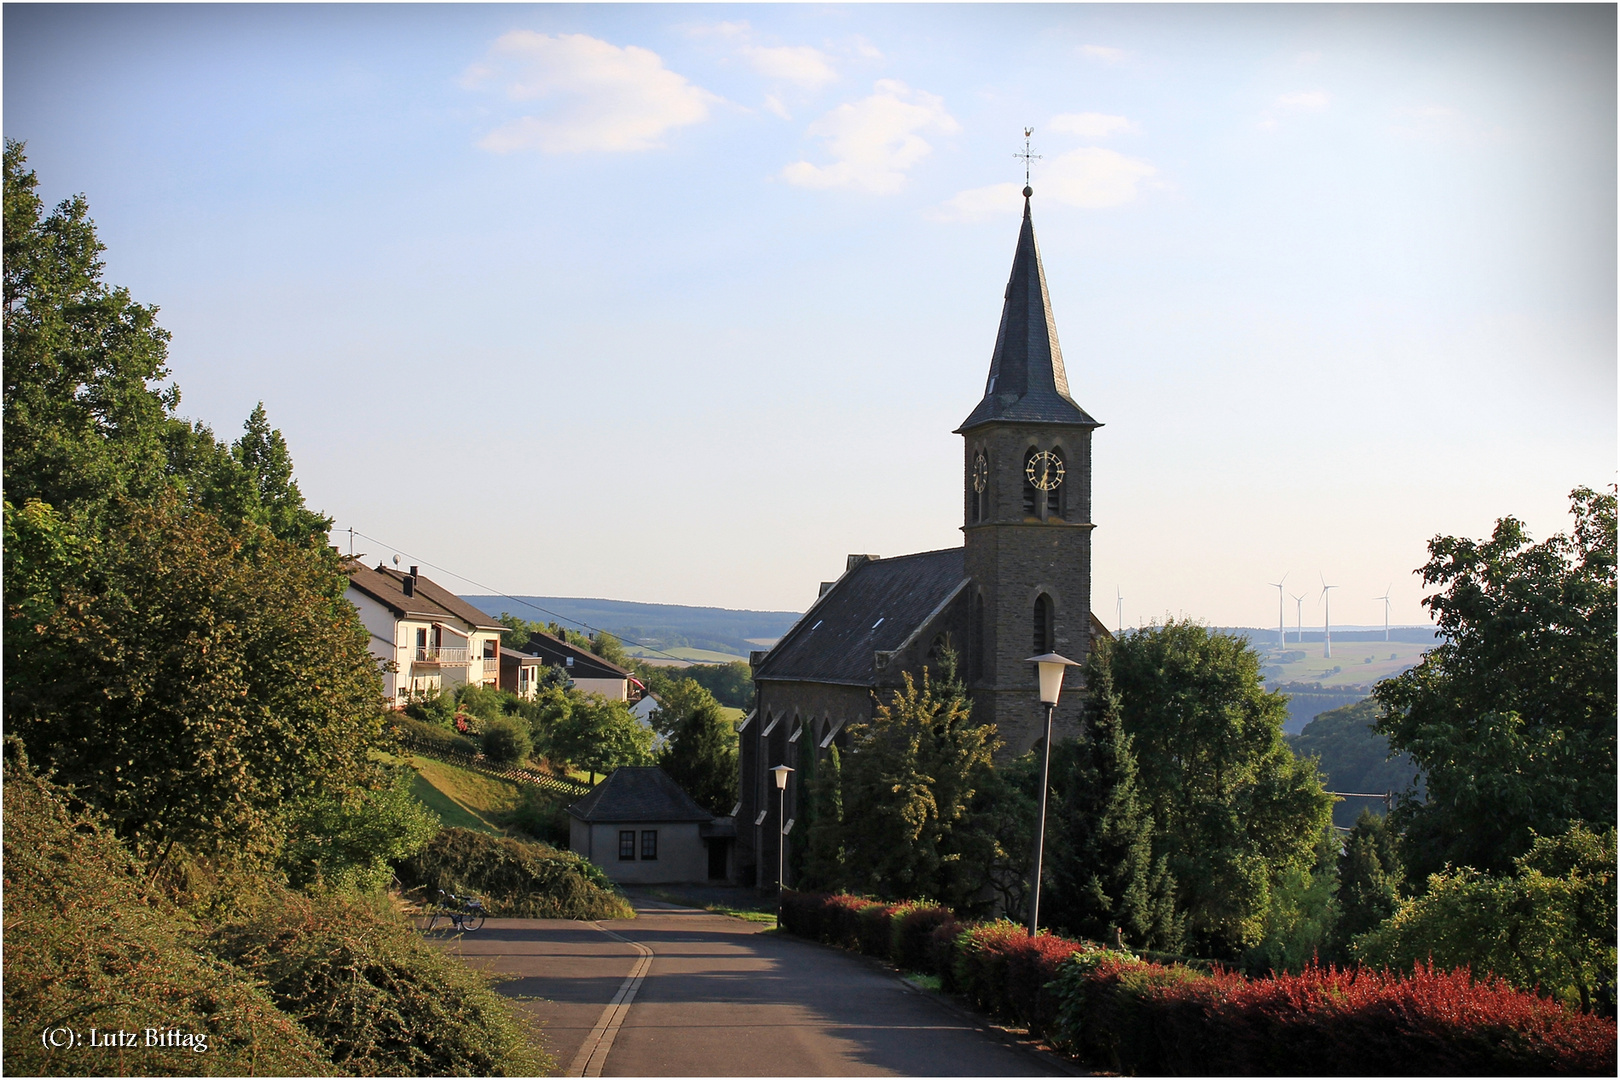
{"points": [[1043, 625], [489, 650], [421, 637], [627, 844], [649, 843]]}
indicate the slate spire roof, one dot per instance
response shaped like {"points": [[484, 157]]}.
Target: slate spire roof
{"points": [[1027, 382]]}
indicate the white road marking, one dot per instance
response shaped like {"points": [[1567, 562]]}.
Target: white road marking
{"points": [[593, 1054]]}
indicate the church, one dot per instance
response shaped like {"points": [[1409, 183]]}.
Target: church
{"points": [[1019, 586]]}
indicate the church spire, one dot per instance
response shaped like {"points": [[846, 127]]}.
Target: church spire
{"points": [[1027, 382]]}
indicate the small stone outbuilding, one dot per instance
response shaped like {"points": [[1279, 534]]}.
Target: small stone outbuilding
{"points": [[640, 827]]}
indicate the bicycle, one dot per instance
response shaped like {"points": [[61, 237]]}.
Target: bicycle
{"points": [[456, 913]]}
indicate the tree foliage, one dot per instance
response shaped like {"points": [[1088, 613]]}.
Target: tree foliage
{"points": [[1512, 717], [1103, 872], [1370, 876], [188, 688], [1233, 809], [700, 751], [906, 792], [1550, 925]]}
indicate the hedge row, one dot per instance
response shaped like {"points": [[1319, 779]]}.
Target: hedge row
{"points": [[1120, 1013]]}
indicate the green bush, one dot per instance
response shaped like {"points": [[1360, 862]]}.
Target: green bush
{"points": [[349, 844], [436, 709], [381, 1000], [514, 877], [542, 814], [434, 737], [86, 945], [1549, 926], [506, 742]]}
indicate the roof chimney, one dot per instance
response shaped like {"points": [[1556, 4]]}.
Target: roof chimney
{"points": [[409, 583]]}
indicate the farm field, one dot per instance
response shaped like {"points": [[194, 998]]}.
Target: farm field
{"points": [[696, 656], [1354, 663]]}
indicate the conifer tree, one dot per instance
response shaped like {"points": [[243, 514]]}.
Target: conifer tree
{"points": [[1370, 874], [1102, 874]]}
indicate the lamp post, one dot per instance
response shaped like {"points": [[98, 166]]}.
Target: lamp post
{"points": [[781, 772], [1051, 667]]}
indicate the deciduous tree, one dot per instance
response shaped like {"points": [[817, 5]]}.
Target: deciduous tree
{"points": [[1512, 717], [1232, 807]]}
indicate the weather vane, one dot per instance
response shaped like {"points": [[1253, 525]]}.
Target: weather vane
{"points": [[1028, 155]]}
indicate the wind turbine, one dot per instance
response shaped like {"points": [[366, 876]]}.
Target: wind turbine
{"points": [[1385, 599], [1299, 617], [1119, 610], [1282, 636], [1327, 623]]}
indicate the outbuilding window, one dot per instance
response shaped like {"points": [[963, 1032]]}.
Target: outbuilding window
{"points": [[649, 843], [627, 845]]}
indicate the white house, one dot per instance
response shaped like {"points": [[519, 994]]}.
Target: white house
{"points": [[434, 639]]}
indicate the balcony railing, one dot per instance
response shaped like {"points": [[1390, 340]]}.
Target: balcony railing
{"points": [[492, 668], [433, 654]]}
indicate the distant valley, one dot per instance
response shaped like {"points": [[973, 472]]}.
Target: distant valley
{"points": [[703, 635]]}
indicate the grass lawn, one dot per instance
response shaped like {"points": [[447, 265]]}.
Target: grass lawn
{"points": [[461, 797], [734, 715]]}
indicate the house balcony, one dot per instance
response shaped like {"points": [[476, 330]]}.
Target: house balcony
{"points": [[444, 657], [492, 668]]}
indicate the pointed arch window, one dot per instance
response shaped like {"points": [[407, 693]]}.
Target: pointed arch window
{"points": [[1032, 494], [1054, 497], [979, 482], [1044, 637]]}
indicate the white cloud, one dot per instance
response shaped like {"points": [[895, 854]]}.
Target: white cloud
{"points": [[875, 140], [773, 105], [604, 97], [797, 64], [1105, 53], [1090, 125], [1091, 177]]}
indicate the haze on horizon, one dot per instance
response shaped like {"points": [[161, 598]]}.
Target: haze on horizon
{"points": [[680, 304]]}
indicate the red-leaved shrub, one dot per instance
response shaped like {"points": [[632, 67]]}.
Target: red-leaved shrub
{"points": [[840, 923], [914, 926], [875, 930], [803, 913], [1125, 1015]]}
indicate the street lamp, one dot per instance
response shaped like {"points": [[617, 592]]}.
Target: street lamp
{"points": [[781, 772], [1051, 667]]}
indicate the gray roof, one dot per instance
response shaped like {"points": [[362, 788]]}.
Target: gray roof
{"points": [[1027, 383], [874, 607], [557, 652], [386, 585], [639, 794]]}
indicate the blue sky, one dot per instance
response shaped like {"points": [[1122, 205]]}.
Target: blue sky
{"points": [[680, 304]]}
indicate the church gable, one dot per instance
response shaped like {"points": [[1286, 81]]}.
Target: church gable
{"points": [[872, 613]]}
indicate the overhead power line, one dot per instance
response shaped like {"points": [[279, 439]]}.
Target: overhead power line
{"points": [[515, 599]]}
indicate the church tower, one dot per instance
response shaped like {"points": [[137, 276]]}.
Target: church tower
{"points": [[1026, 515]]}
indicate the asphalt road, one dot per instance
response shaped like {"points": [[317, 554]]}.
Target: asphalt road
{"points": [[716, 997]]}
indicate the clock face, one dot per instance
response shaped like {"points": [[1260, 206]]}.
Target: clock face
{"points": [[1045, 470], [981, 473]]}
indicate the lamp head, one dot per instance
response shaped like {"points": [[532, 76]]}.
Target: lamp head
{"points": [[1051, 667], [781, 772]]}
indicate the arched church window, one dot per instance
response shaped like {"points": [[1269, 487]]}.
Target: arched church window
{"points": [[1054, 495], [1044, 640], [1032, 494], [981, 487]]}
